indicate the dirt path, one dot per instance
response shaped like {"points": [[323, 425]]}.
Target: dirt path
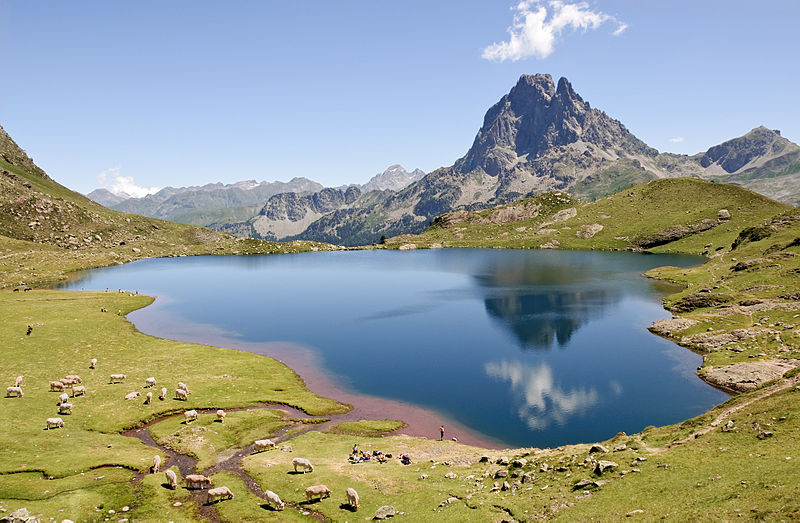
{"points": [[725, 414]]}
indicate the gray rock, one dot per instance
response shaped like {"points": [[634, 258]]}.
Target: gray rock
{"points": [[502, 461], [501, 474], [602, 465], [723, 214], [484, 459], [620, 448], [451, 475], [520, 462], [634, 513], [384, 512], [506, 486], [20, 516], [529, 477], [584, 484], [597, 448]]}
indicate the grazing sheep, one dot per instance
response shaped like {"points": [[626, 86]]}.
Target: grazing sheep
{"points": [[150, 382], [221, 415], [148, 398], [163, 395], [182, 385], [17, 391], [54, 422], [263, 444], [65, 408], [172, 479], [67, 382], [132, 395], [74, 377], [273, 500], [317, 491], [156, 463], [93, 363], [116, 378], [181, 394], [190, 415], [219, 492], [79, 389], [56, 386], [352, 498], [18, 381], [63, 398], [197, 481], [303, 463]]}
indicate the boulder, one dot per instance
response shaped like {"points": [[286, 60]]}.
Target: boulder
{"points": [[384, 512], [502, 461], [585, 232], [506, 486], [584, 484], [620, 448], [407, 247], [519, 462], [603, 465], [723, 214], [597, 448], [502, 473], [20, 516]]}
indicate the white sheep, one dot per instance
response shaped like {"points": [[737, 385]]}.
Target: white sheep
{"points": [[68, 382], [65, 408], [221, 415], [156, 463], [56, 386], [303, 463], [78, 389], [273, 500], [150, 382], [172, 479], [132, 395], [54, 422], [74, 377], [219, 492], [190, 415], [116, 378], [163, 395], [263, 444], [352, 498], [317, 491], [63, 398], [181, 394], [148, 398], [197, 480], [16, 391], [93, 363], [182, 385], [18, 381]]}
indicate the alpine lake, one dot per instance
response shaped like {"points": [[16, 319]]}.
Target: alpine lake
{"points": [[526, 347]]}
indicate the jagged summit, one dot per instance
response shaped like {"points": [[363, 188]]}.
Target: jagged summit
{"points": [[760, 144], [535, 116]]}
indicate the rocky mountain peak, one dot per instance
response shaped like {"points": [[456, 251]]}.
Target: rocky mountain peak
{"points": [[13, 154], [535, 116], [737, 153]]}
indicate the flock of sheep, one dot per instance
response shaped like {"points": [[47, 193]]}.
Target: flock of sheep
{"points": [[218, 493], [73, 382]]}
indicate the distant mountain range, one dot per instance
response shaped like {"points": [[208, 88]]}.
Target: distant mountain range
{"points": [[541, 136], [217, 204]]}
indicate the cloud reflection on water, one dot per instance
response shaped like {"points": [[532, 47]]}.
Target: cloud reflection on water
{"points": [[541, 400]]}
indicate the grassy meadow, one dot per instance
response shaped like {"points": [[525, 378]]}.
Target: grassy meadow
{"points": [[84, 470]]}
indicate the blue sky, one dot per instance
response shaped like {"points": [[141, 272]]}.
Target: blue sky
{"points": [[155, 93]]}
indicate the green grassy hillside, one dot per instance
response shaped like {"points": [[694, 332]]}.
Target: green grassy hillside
{"points": [[47, 230]]}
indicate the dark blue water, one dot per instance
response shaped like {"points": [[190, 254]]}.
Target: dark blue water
{"points": [[533, 348]]}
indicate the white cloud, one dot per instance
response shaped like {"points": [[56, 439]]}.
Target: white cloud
{"points": [[541, 400], [123, 185], [677, 139], [535, 28]]}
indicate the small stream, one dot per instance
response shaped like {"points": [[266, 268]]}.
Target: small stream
{"points": [[188, 465]]}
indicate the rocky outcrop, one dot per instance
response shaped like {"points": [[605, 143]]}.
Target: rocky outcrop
{"points": [[394, 178], [15, 155], [746, 376]]}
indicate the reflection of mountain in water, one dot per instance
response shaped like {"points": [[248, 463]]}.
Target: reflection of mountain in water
{"points": [[537, 320], [543, 304]]}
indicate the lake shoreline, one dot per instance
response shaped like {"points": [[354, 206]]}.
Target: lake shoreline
{"points": [[419, 421]]}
